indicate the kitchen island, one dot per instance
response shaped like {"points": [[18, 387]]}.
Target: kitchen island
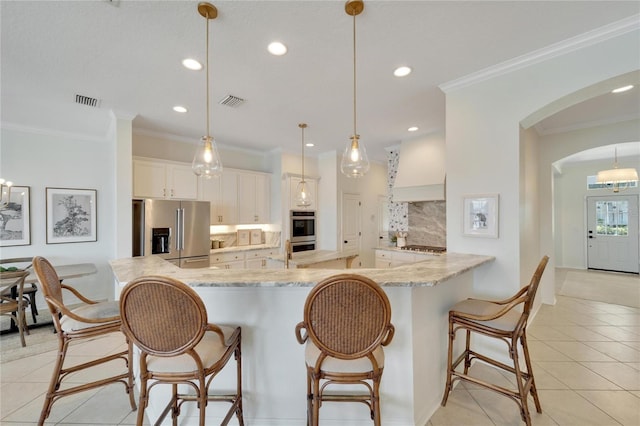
{"points": [[269, 303]]}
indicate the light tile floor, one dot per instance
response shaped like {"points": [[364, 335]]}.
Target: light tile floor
{"points": [[586, 359]]}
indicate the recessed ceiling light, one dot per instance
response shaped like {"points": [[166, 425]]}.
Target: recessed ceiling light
{"points": [[622, 89], [309, 144], [192, 64], [402, 71], [412, 129], [276, 48], [179, 108]]}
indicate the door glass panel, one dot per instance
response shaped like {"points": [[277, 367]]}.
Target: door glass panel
{"points": [[612, 218]]}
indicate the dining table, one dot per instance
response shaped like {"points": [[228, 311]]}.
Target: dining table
{"points": [[75, 270]]}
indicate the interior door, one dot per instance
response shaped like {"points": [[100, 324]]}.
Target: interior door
{"points": [[351, 222], [612, 233]]}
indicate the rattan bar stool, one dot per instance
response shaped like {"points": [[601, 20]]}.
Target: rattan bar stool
{"points": [[497, 319], [14, 307], [167, 322], [347, 319], [83, 323], [30, 290]]}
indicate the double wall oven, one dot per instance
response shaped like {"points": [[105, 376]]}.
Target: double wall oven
{"points": [[303, 230]]}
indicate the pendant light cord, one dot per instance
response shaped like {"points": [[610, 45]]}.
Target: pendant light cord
{"points": [[207, 72], [354, 74], [302, 153]]}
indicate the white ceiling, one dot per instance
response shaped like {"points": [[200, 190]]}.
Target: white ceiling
{"points": [[128, 55]]}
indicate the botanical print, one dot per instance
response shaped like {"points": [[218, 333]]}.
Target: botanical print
{"points": [[14, 217], [71, 215]]}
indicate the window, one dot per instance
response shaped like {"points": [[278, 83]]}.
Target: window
{"points": [[592, 184], [612, 218]]}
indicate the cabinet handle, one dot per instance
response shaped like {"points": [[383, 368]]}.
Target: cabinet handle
{"points": [[171, 192], [164, 192]]}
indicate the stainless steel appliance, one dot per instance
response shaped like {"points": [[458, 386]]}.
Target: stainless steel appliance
{"points": [[303, 230], [177, 231]]}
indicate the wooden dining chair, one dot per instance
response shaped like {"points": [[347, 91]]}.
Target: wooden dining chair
{"points": [[167, 322], [30, 290], [12, 282], [347, 321], [90, 320], [500, 320]]}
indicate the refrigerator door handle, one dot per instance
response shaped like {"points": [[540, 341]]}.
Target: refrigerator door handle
{"points": [[182, 228], [178, 233]]}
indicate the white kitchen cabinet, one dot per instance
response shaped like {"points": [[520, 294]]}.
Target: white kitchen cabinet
{"points": [[383, 259], [222, 193], [312, 184], [253, 198], [160, 179], [257, 259], [230, 260]]}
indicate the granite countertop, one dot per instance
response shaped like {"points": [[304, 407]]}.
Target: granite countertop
{"points": [[433, 271], [243, 248], [401, 250], [306, 258]]}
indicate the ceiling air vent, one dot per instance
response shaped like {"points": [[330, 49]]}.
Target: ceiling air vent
{"points": [[231, 101], [86, 100]]}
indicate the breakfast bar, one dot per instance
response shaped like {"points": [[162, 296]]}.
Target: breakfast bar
{"points": [[268, 304]]}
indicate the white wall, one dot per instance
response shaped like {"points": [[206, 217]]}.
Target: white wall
{"points": [[40, 160], [483, 145]]}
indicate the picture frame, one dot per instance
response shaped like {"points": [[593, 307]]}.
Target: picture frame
{"points": [[15, 216], [71, 215], [244, 236], [255, 237], [480, 215]]}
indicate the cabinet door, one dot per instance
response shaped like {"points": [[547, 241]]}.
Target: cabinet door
{"points": [[228, 208], [182, 182], [148, 179], [312, 184], [256, 263], [253, 196], [212, 192]]}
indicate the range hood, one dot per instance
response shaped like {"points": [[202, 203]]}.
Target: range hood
{"points": [[421, 170]]}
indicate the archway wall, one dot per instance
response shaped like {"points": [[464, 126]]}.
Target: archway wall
{"points": [[483, 131]]}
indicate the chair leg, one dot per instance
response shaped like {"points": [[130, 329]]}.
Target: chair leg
{"points": [[375, 402], [527, 359], [315, 416], [447, 387], [467, 358], [54, 384], [309, 399], [143, 400], [238, 356], [524, 409], [34, 308], [132, 399]]}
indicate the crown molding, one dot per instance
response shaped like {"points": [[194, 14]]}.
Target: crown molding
{"points": [[53, 132], [590, 38]]}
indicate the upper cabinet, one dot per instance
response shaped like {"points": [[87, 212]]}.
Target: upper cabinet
{"points": [[222, 193], [162, 179], [253, 198], [238, 197]]}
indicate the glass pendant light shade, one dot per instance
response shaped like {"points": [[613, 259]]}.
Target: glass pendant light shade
{"points": [[618, 179], [303, 196], [206, 161], [355, 162]]}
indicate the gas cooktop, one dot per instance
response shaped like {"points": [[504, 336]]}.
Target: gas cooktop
{"points": [[424, 249]]}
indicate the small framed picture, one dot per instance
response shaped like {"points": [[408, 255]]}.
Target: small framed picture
{"points": [[256, 236], [244, 236], [71, 215], [480, 215], [15, 220]]}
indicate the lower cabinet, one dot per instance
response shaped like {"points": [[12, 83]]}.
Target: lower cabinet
{"points": [[248, 259]]}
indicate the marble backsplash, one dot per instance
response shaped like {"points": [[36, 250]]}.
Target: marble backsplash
{"points": [[428, 223], [230, 239]]}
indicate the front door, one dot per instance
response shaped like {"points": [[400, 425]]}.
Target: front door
{"points": [[612, 233]]}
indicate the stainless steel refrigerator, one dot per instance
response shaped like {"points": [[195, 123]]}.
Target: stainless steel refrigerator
{"points": [[177, 231]]}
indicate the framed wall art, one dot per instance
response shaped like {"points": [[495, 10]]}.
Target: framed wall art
{"points": [[15, 220], [480, 215], [71, 215]]}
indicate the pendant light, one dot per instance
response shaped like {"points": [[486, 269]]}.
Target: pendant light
{"points": [[206, 161], [303, 196], [355, 162], [617, 179]]}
